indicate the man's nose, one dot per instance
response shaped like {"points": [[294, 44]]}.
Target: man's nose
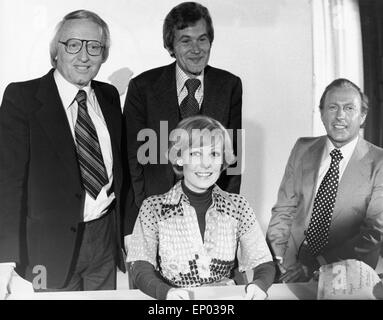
{"points": [[195, 47], [340, 113], [83, 54]]}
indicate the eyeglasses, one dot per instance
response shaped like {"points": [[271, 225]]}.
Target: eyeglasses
{"points": [[73, 46]]}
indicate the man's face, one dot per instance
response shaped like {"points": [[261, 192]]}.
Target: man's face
{"points": [[192, 48], [342, 115], [80, 68]]}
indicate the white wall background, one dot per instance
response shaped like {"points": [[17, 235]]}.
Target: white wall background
{"points": [[268, 43]]}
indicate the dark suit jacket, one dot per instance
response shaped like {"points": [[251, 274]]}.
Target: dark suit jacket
{"points": [[356, 230], [41, 194], [151, 98]]}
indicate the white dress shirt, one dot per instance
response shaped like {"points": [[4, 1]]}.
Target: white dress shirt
{"points": [[93, 208], [182, 91], [347, 151]]}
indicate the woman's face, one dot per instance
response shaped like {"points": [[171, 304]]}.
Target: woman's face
{"points": [[202, 166]]}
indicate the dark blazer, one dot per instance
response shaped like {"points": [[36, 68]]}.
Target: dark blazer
{"points": [[41, 194], [356, 230], [151, 98]]}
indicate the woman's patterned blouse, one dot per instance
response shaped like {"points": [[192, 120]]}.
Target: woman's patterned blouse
{"points": [[167, 235]]}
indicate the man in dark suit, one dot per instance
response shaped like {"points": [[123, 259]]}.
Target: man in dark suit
{"points": [[159, 98], [330, 202], [60, 167]]}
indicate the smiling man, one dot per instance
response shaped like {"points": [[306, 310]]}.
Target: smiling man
{"points": [[60, 167], [330, 202], [187, 87]]}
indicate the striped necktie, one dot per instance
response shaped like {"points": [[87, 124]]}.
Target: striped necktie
{"points": [[93, 171]]}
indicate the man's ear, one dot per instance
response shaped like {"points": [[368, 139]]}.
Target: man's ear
{"points": [[321, 114], [364, 116], [170, 51]]}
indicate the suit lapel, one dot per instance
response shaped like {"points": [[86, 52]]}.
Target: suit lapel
{"points": [[165, 90], [111, 115], [310, 168], [211, 94], [53, 120], [113, 118], [355, 173]]}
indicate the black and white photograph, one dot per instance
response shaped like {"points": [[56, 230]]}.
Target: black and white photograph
{"points": [[216, 151]]}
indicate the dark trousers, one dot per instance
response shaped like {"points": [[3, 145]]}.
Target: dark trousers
{"points": [[95, 262]]}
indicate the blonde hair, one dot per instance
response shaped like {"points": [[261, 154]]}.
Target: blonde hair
{"points": [[198, 131]]}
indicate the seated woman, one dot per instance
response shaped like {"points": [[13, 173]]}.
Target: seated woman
{"points": [[192, 235]]}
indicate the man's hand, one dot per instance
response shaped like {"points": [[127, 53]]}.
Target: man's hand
{"points": [[296, 273], [5, 278], [279, 262], [306, 258], [178, 294], [253, 292]]}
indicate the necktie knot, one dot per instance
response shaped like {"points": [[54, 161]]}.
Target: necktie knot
{"points": [[81, 98], [336, 155], [192, 85], [189, 106]]}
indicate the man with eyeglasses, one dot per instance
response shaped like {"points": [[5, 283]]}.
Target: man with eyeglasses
{"points": [[60, 167]]}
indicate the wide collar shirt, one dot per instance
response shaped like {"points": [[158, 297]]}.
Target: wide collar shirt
{"points": [[182, 91], [347, 151], [93, 208]]}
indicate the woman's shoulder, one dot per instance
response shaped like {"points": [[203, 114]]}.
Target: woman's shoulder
{"points": [[233, 204], [169, 198], [235, 198], [154, 200]]}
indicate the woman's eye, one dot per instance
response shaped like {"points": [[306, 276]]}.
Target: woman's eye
{"points": [[195, 153]]}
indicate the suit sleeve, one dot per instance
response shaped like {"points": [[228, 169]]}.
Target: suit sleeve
{"points": [[14, 157], [283, 212], [230, 180], [366, 245], [134, 119]]}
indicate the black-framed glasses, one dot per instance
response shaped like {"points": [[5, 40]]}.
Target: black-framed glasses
{"points": [[73, 46]]}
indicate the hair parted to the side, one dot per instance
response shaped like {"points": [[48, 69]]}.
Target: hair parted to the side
{"points": [[344, 83], [199, 131], [184, 15], [80, 14]]}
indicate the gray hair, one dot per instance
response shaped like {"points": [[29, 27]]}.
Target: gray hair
{"points": [[80, 14]]}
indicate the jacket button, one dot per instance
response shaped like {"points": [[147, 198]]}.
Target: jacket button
{"points": [[78, 196], [73, 229]]}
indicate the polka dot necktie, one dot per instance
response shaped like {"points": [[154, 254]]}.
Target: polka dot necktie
{"points": [[189, 105], [93, 171], [324, 202]]}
